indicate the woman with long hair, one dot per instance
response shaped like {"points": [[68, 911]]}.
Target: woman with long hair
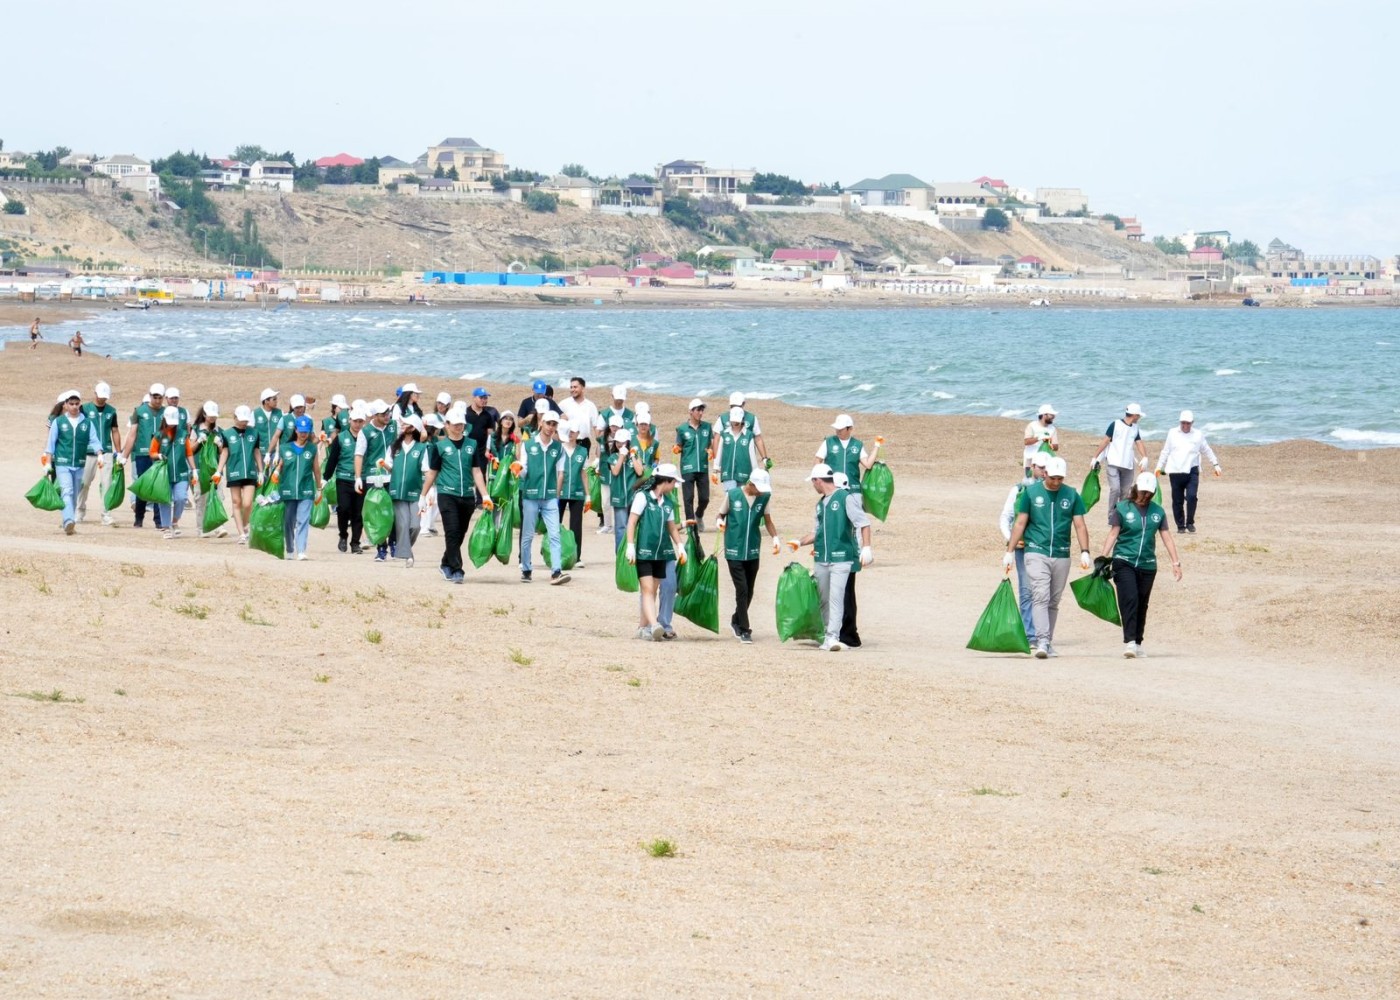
{"points": [[205, 428], [1134, 527], [408, 465], [177, 451], [241, 468], [653, 544], [299, 483]]}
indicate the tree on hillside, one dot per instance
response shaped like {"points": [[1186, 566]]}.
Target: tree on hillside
{"points": [[1207, 241], [249, 153], [1110, 217], [539, 201], [1245, 250], [1173, 247], [777, 184], [576, 170], [453, 175], [996, 220], [366, 173], [180, 164], [499, 184]]}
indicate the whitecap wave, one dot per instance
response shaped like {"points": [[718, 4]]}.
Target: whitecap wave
{"points": [[763, 395], [1352, 436], [864, 387], [359, 319], [1013, 413], [940, 394], [844, 378], [1228, 425], [1227, 371], [312, 353], [387, 359], [472, 376], [543, 372], [387, 323]]}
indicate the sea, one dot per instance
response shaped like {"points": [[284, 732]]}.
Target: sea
{"points": [[1251, 375]]}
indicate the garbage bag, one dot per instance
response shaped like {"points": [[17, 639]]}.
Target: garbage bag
{"points": [[1157, 496], [515, 517], [798, 605], [331, 492], [503, 481], [1091, 491], [45, 494], [214, 512], [267, 489], [877, 489], [701, 605], [1096, 595], [207, 462], [503, 537], [265, 527], [153, 485], [320, 513], [594, 483], [1000, 629], [568, 549], [624, 573], [481, 543], [687, 575], [378, 515], [116, 492]]}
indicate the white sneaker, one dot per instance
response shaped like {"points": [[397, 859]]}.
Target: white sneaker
{"points": [[222, 532], [1051, 651], [657, 632], [1040, 652], [176, 532], [407, 563], [1140, 653], [106, 520], [301, 557], [1130, 651], [833, 647], [166, 534], [644, 633], [243, 538], [604, 530]]}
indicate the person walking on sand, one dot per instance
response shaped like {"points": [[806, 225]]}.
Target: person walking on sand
{"points": [[540, 478], [340, 466], [72, 436], [76, 342], [338, 420], [481, 419], [535, 404], [410, 472], [625, 418], [850, 611], [1006, 522], [573, 492], [206, 428], [840, 537], [299, 483], [738, 399], [1040, 434], [648, 448], [141, 431], [287, 427], [579, 410], [1124, 454], [34, 335], [625, 471], [175, 448], [846, 453], [653, 542], [371, 448], [1046, 512], [736, 453], [407, 405], [241, 467], [745, 512], [267, 421], [1132, 545], [1180, 459], [457, 470], [100, 463], [694, 439]]}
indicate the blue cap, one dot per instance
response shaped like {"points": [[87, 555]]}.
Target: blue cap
{"points": [[303, 425], [540, 386], [480, 392]]}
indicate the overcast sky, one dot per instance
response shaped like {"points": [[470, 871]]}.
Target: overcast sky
{"points": [[1267, 119]]}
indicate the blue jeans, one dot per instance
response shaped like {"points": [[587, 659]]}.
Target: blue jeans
{"points": [[70, 480], [296, 524], [620, 517], [1023, 591], [179, 493], [666, 600], [530, 511], [140, 463]]}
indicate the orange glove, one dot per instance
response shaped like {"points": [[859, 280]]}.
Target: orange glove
{"points": [[680, 558], [690, 522], [488, 504], [44, 459], [495, 464], [794, 544], [587, 506], [189, 447], [516, 467], [675, 449], [216, 479], [879, 440], [714, 478], [381, 464], [154, 450], [276, 478]]}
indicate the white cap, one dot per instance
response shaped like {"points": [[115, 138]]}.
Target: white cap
{"points": [[820, 471], [156, 389], [359, 413], [172, 393], [842, 421], [409, 387], [68, 394], [1134, 410], [103, 391], [433, 420], [338, 401], [457, 414], [242, 414], [445, 398], [266, 395], [643, 416], [736, 399], [623, 435], [736, 415], [1146, 482], [1055, 467], [761, 480], [297, 400], [171, 415], [1040, 458], [359, 403], [615, 420], [695, 403], [1046, 410], [666, 471], [549, 417], [377, 407], [211, 408], [1187, 417], [569, 427], [416, 424], [542, 406], [619, 392], [841, 480]]}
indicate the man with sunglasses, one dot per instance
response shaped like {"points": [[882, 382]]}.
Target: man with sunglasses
{"points": [[1040, 434], [1045, 513]]}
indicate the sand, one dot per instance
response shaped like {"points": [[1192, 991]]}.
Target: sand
{"points": [[240, 795]]}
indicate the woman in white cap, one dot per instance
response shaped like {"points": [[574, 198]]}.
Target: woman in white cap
{"points": [[457, 474], [693, 445], [407, 403], [299, 484], [539, 469], [177, 451], [240, 467], [99, 465], [206, 428], [339, 419], [141, 431], [441, 405], [287, 427], [1132, 544], [372, 445], [653, 544], [624, 417], [267, 421], [625, 471], [408, 469], [846, 453], [1181, 461], [736, 454], [433, 426], [745, 512], [1039, 432], [340, 466], [573, 491], [71, 436], [648, 448]]}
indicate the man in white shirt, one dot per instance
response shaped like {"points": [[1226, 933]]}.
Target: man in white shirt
{"points": [[1006, 522], [579, 410], [1040, 431], [1121, 442], [1181, 461]]}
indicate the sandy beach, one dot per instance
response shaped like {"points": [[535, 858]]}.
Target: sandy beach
{"points": [[235, 792]]}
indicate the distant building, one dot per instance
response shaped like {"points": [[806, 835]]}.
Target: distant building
{"points": [[650, 258], [277, 175], [1029, 265], [1058, 201], [993, 184], [1132, 228], [472, 161], [893, 191], [338, 160], [1284, 261], [818, 259], [392, 170], [953, 194], [130, 173], [12, 159], [692, 177], [1207, 253], [582, 191], [74, 161]]}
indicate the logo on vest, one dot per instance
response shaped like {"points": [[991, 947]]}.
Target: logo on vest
{"points": [[1064, 505], [1040, 501]]}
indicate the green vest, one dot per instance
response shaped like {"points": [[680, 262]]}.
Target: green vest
{"points": [[345, 463], [844, 456], [694, 443], [652, 539], [742, 521], [735, 456], [620, 485], [453, 461], [377, 442], [104, 420], [240, 446], [648, 453], [297, 480], [629, 420], [265, 423], [330, 426], [836, 536], [541, 480], [288, 426], [406, 478], [1137, 534], [574, 488], [74, 441], [172, 449], [144, 419], [1051, 518]]}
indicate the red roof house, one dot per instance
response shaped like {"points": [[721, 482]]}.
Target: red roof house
{"points": [[1209, 254], [1030, 263], [339, 160], [995, 183], [678, 271]]}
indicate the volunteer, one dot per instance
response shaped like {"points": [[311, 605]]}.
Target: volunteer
{"points": [[538, 469], [441, 405], [299, 483], [504, 439], [1040, 434], [1046, 512], [653, 541], [1132, 543], [745, 511], [648, 448], [339, 419], [457, 471], [481, 419], [693, 442], [839, 517], [409, 468], [850, 625], [606, 428], [340, 466], [371, 447], [846, 453], [71, 437], [737, 399], [175, 449], [172, 398], [267, 420], [287, 427], [1121, 442], [573, 491], [736, 454], [141, 431], [625, 471], [100, 463], [1181, 461], [433, 426], [206, 428], [406, 403], [1005, 522], [535, 403], [240, 466]]}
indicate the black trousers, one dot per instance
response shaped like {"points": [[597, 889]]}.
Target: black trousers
{"points": [[574, 508], [743, 572], [850, 635], [142, 463], [1184, 486], [456, 514], [1134, 587], [689, 484], [349, 506]]}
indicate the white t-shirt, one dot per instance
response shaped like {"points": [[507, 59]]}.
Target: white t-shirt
{"points": [[639, 506], [584, 414], [1041, 433]]}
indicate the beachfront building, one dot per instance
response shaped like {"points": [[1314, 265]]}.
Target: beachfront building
{"points": [[274, 175], [474, 163], [130, 173], [892, 191], [77, 161], [1288, 262], [1029, 265], [1059, 201], [816, 258], [10, 160], [692, 177]]}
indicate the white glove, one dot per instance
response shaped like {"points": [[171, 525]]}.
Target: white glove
{"points": [[1008, 560], [777, 545], [1142, 462], [101, 460], [1084, 562], [867, 555], [359, 485], [631, 552]]}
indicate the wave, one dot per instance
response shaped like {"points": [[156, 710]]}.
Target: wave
{"points": [[387, 323], [1227, 371], [1352, 436], [472, 376], [764, 395], [359, 319], [864, 387], [844, 378], [940, 394], [1013, 413], [309, 355], [1228, 425]]}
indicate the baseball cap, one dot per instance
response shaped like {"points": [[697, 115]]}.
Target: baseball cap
{"points": [[736, 415], [540, 386], [297, 400], [615, 420], [624, 435], [619, 392], [1134, 410], [480, 392], [736, 399], [1046, 410], [171, 415], [242, 414], [1187, 417], [433, 420], [338, 400], [841, 480], [549, 417], [156, 389], [359, 413], [172, 393], [303, 425], [542, 406], [102, 390], [842, 421], [569, 427], [457, 414], [820, 471], [761, 480], [643, 415], [408, 387], [211, 408], [266, 394], [1040, 458], [697, 404], [377, 407], [1055, 467], [666, 471], [1146, 482], [445, 398], [68, 394], [415, 423]]}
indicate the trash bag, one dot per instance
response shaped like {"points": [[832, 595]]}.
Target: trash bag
{"points": [[267, 489], [687, 575], [877, 489], [799, 605], [45, 494], [378, 515], [701, 605], [265, 527], [594, 482], [515, 517], [625, 574], [331, 492], [320, 513], [1091, 491], [214, 513], [1157, 497], [481, 543], [568, 548], [116, 492], [153, 485], [1046, 448], [207, 462], [1000, 629], [1096, 595], [503, 537], [503, 481]]}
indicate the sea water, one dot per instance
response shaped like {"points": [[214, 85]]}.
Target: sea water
{"points": [[1250, 375]]}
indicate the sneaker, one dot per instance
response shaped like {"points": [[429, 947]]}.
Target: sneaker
{"points": [[176, 532], [408, 563], [446, 573], [746, 638], [1140, 653], [459, 577], [344, 545], [1190, 529], [107, 520], [1130, 651], [525, 576], [243, 538], [657, 633], [700, 525], [833, 647], [668, 635], [380, 555], [578, 565], [1040, 652], [356, 550], [644, 633], [69, 528], [301, 557], [738, 632], [604, 530], [393, 550], [166, 535], [1051, 651], [221, 532], [433, 532], [558, 577]]}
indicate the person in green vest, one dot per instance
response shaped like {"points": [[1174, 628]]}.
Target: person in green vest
{"points": [[644, 438], [1046, 512], [1132, 544], [625, 470], [299, 484], [408, 465], [338, 421], [573, 491], [141, 431], [612, 419], [71, 436], [176, 449], [735, 453], [839, 520], [745, 512], [241, 468], [204, 428], [267, 419], [100, 463], [846, 453], [340, 466], [286, 427], [371, 448], [538, 466], [740, 401], [653, 544], [457, 469], [692, 448]]}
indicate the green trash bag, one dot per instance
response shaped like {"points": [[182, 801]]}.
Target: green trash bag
{"points": [[568, 548], [207, 462], [1000, 629], [481, 543], [503, 537], [594, 482], [45, 494], [378, 515], [215, 515], [503, 481], [330, 492], [1046, 447], [116, 491], [877, 489], [1091, 491], [515, 517], [153, 485], [687, 575], [624, 573], [265, 528], [701, 605], [267, 489], [799, 605], [1096, 595], [320, 513], [1157, 497]]}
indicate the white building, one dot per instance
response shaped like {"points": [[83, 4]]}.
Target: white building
{"points": [[130, 173], [272, 174]]}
